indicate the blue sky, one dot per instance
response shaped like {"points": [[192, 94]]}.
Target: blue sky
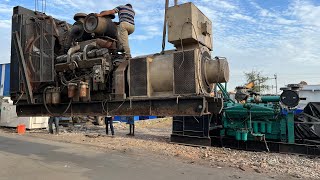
{"points": [[273, 36]]}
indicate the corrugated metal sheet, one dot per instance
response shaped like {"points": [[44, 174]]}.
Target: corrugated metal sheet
{"points": [[5, 79], [311, 93], [311, 88]]}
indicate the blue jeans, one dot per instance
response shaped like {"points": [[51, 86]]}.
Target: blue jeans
{"points": [[54, 120], [108, 120], [130, 121]]}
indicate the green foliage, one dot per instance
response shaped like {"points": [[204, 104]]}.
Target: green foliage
{"points": [[258, 79]]}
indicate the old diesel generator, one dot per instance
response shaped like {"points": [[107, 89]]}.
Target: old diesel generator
{"points": [[259, 118], [255, 122], [80, 69]]}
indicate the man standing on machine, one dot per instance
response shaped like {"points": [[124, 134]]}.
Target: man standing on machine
{"points": [[126, 26]]}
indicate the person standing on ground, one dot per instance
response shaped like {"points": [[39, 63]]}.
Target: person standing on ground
{"points": [[109, 120], [126, 26], [131, 125], [55, 121]]}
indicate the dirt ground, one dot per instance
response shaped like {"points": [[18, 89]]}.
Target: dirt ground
{"points": [[152, 136]]}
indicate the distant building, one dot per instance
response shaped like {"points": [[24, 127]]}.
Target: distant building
{"points": [[232, 95], [311, 93], [4, 80]]}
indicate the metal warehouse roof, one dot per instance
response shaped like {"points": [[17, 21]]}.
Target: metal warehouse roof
{"points": [[310, 88]]}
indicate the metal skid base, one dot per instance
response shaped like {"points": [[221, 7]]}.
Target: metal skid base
{"points": [[277, 147], [193, 141], [195, 131], [191, 130], [257, 146]]}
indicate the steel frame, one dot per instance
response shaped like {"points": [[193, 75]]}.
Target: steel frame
{"points": [[278, 147], [182, 106], [257, 146]]}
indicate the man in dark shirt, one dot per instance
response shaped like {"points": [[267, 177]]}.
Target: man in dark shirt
{"points": [[126, 26]]}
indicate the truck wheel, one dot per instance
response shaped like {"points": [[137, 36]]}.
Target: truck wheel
{"points": [[100, 120]]}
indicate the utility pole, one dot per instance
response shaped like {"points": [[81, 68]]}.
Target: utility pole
{"points": [[259, 85], [276, 79]]}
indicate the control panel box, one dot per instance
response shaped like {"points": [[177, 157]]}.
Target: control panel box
{"points": [[187, 23]]}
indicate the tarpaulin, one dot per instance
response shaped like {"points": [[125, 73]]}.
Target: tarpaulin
{"points": [[307, 123]]}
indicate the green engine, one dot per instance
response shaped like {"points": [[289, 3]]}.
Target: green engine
{"points": [[257, 117], [254, 122], [252, 118], [258, 121]]}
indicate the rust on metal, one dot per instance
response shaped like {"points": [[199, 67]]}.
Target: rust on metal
{"points": [[72, 87], [187, 106], [104, 43], [83, 89], [120, 81]]}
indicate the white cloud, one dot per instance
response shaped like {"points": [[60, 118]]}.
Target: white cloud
{"points": [[149, 33], [306, 12], [285, 41], [5, 23], [225, 5], [242, 17], [265, 12], [140, 37], [284, 21], [67, 3], [5, 9]]}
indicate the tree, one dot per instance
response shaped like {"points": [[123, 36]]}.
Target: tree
{"points": [[258, 79], [303, 83]]}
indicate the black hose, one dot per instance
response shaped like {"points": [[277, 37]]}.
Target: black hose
{"points": [[45, 103]]}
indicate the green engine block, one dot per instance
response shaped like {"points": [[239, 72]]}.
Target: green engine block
{"points": [[265, 120]]}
